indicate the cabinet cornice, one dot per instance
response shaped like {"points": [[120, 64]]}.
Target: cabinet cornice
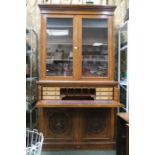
{"points": [[86, 9]]}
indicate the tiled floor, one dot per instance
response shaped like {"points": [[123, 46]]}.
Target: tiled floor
{"points": [[79, 153]]}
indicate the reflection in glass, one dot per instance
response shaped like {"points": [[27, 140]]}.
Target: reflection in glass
{"points": [[94, 48], [59, 57]]}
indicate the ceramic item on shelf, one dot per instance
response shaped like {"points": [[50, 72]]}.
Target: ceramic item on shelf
{"points": [[65, 55], [46, 1], [95, 2], [71, 54], [88, 2], [58, 55], [31, 3]]}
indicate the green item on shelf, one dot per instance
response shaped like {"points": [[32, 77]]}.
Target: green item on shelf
{"points": [[89, 2]]}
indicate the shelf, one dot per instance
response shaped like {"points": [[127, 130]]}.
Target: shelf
{"points": [[58, 27], [58, 60], [91, 44], [124, 87], [123, 27], [125, 47], [31, 78], [124, 116], [124, 83], [60, 43], [97, 60], [28, 52], [95, 27]]}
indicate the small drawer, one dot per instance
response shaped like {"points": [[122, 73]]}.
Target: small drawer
{"points": [[51, 93], [104, 93], [51, 88], [104, 89], [50, 97], [104, 98], [57, 93]]}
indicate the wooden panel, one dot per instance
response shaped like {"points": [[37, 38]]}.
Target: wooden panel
{"points": [[110, 48], [59, 125], [43, 47], [95, 125], [77, 128], [76, 54]]}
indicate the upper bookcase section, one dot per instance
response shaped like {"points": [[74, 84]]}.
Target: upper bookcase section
{"points": [[76, 42]]}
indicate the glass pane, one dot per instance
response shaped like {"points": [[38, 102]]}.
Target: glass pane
{"points": [[123, 75], [59, 45], [123, 96], [94, 48], [123, 54]]}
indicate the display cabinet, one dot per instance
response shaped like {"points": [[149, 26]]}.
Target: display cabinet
{"points": [[77, 93], [123, 65], [31, 76]]}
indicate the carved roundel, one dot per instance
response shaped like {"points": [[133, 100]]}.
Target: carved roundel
{"points": [[95, 122], [59, 122]]}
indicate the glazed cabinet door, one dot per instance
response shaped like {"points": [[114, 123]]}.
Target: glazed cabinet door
{"points": [[96, 50], [57, 47], [77, 47]]}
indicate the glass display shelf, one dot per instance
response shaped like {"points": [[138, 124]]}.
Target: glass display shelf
{"points": [[31, 76], [123, 65]]}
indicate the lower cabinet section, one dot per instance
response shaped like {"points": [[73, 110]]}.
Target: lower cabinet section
{"points": [[77, 128]]}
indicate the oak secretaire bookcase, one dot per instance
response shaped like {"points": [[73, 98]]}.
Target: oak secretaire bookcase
{"points": [[77, 94]]}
